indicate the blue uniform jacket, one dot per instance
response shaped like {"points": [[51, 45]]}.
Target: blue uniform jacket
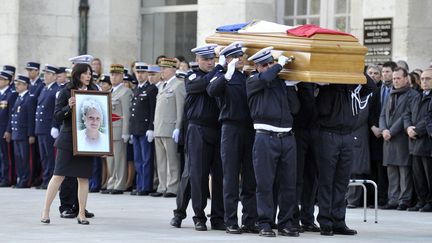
{"points": [[22, 122], [44, 117], [36, 89], [231, 98], [201, 109], [7, 101], [271, 102]]}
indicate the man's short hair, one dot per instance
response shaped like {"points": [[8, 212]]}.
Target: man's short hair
{"points": [[404, 71], [390, 64], [373, 66]]}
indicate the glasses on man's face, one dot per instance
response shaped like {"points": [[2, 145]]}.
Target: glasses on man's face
{"points": [[426, 79], [266, 64]]}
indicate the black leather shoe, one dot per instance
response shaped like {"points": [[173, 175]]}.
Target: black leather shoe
{"points": [[233, 229], [89, 214], [254, 229], [218, 226], [311, 227], [116, 192], [344, 231], [402, 207], [427, 208], [352, 206], [388, 207], [143, 193], [133, 192], [46, 221], [105, 191], [289, 232], [176, 222], [83, 221], [169, 194], [4, 184], [200, 226], [416, 208], [93, 190], [156, 194], [68, 214], [267, 233], [327, 231]]}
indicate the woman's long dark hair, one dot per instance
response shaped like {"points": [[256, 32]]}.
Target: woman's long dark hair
{"points": [[77, 70]]}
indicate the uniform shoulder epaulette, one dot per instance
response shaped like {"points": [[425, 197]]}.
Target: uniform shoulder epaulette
{"points": [[191, 76]]}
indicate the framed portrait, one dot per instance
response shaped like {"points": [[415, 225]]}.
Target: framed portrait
{"points": [[92, 123]]}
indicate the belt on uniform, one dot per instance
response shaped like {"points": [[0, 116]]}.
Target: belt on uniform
{"points": [[276, 134]]}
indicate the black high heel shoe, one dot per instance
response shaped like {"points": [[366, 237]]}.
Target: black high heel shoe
{"points": [[45, 221], [83, 221]]}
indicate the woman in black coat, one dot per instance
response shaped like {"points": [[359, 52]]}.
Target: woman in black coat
{"points": [[66, 163]]}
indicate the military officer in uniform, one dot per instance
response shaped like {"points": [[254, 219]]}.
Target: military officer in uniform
{"points": [[21, 128], [203, 141], [11, 70], [141, 128], [121, 101], [7, 100], [167, 124], [46, 128], [36, 83], [236, 140], [272, 106]]}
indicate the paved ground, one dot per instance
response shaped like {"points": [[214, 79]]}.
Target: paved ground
{"points": [[125, 218]]}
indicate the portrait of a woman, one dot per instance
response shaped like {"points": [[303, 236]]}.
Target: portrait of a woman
{"points": [[91, 138]]}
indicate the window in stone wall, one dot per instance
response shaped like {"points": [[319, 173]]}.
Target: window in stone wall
{"points": [[168, 28], [332, 14]]}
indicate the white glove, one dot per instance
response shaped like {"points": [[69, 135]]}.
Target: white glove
{"points": [[222, 60], [150, 136], [291, 83], [282, 60], [175, 135], [231, 68], [131, 139], [54, 132], [125, 137]]}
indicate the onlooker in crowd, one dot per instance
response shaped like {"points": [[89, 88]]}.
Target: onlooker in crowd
{"points": [[121, 102], [47, 128], [378, 99], [395, 149], [167, 124], [7, 100], [420, 144]]}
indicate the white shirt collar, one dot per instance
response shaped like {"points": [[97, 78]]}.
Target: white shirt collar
{"points": [[116, 87], [22, 93], [169, 81], [49, 85], [140, 85]]}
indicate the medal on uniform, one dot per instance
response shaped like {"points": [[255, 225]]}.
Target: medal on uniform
{"points": [[3, 104]]}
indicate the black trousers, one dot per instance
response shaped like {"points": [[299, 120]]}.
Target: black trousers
{"points": [[422, 174], [69, 194], [184, 192], [307, 174], [274, 160], [204, 158], [336, 153], [236, 154]]}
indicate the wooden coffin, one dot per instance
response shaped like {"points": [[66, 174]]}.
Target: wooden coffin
{"points": [[322, 58]]}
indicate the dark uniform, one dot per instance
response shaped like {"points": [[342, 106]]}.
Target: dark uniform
{"points": [[274, 154], [203, 146], [44, 122], [337, 118], [22, 124], [36, 87], [7, 100], [236, 147], [141, 120], [305, 127]]}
